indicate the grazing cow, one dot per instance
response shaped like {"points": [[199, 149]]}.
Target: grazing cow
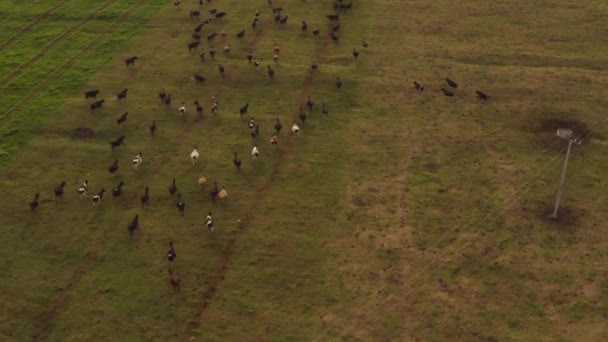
{"points": [[241, 34], [137, 160], [302, 115], [153, 127], [97, 104], [117, 191], [237, 162], [277, 126], [211, 36], [181, 205], [256, 63], [283, 20], [274, 141], [324, 110], [227, 48], [220, 15], [213, 11], [333, 17], [145, 198], [244, 109], [221, 69], [295, 129], [182, 109], [195, 14], [447, 92], [419, 86], [193, 45], [122, 119], [313, 67], [82, 191], [202, 181], [199, 109], [255, 153], [213, 192], [173, 188], [59, 191], [174, 280], [481, 95], [223, 194], [338, 83], [316, 32], [97, 199], [133, 225], [113, 168], [91, 94], [131, 60], [304, 25], [199, 78], [254, 23], [212, 53], [171, 255], [35, 202], [215, 107], [168, 99], [355, 53], [335, 28], [270, 72], [251, 123], [209, 222], [194, 155], [162, 94], [364, 44], [334, 37], [202, 55], [451, 83], [309, 103], [196, 36], [249, 57], [122, 95], [275, 58], [116, 143]]}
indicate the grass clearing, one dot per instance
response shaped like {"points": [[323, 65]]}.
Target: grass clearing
{"points": [[401, 216]]}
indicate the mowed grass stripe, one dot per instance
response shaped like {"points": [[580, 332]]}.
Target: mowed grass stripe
{"points": [[23, 82], [25, 18], [29, 44], [23, 67], [21, 126]]}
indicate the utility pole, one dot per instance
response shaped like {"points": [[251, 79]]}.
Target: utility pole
{"points": [[564, 134]]}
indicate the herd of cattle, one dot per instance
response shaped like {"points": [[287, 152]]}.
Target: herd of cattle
{"points": [[215, 191]]}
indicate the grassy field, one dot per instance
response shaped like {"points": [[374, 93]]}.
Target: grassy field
{"points": [[401, 216]]}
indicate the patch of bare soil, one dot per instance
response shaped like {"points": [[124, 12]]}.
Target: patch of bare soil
{"points": [[547, 130], [82, 133], [566, 217]]}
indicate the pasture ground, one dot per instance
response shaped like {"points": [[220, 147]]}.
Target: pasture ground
{"points": [[401, 216]]}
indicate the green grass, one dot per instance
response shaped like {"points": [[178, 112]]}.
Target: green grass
{"points": [[401, 216]]}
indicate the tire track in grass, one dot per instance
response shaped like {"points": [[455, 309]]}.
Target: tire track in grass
{"points": [[31, 25], [44, 321], [23, 67], [230, 249]]}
